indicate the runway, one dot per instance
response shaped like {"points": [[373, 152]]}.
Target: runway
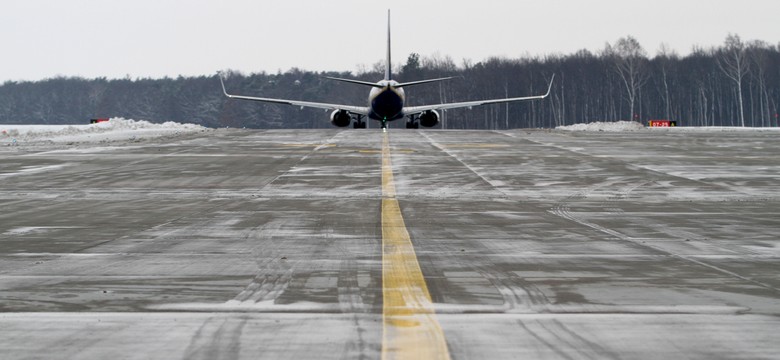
{"points": [[331, 244]]}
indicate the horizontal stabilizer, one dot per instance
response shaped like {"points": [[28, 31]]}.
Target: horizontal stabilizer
{"points": [[410, 83], [365, 83]]}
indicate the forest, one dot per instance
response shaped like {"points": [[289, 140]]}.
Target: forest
{"points": [[736, 83]]}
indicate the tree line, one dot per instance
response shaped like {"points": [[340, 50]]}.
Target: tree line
{"points": [[734, 84]]}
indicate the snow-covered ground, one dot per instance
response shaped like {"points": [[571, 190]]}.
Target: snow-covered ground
{"points": [[117, 129], [620, 126]]}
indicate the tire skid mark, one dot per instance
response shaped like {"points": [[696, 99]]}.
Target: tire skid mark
{"points": [[218, 338], [519, 295], [565, 342], [274, 272]]}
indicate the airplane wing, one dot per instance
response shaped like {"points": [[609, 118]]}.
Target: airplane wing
{"points": [[352, 109], [411, 110]]}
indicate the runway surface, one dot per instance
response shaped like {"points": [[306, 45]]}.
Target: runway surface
{"points": [[330, 244]]}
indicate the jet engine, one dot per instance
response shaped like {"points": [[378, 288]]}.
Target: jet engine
{"points": [[429, 118], [340, 118]]}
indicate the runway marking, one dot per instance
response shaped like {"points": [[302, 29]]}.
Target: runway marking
{"points": [[409, 329]]}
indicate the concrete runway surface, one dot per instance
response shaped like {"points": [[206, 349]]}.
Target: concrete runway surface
{"points": [[330, 244]]}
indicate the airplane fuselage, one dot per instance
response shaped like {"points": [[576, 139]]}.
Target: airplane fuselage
{"points": [[386, 103]]}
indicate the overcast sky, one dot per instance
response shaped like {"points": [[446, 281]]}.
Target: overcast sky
{"points": [[156, 38]]}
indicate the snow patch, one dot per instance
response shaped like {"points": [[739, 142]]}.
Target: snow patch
{"points": [[116, 129], [604, 126], [35, 229], [33, 169]]}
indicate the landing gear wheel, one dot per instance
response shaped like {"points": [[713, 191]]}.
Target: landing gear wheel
{"points": [[360, 125], [412, 125]]}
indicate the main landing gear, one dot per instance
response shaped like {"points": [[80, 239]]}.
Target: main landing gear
{"points": [[412, 123], [359, 123]]}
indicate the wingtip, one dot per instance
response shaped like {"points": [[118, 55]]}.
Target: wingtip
{"points": [[549, 88], [222, 82]]}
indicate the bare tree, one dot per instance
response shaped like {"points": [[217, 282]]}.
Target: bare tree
{"points": [[630, 61], [758, 52], [665, 58], [732, 60]]}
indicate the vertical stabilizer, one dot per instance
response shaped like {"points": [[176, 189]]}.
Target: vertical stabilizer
{"points": [[388, 74]]}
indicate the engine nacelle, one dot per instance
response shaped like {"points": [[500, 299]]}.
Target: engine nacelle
{"points": [[340, 118], [429, 118]]}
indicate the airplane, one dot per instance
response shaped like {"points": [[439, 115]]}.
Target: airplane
{"points": [[386, 101]]}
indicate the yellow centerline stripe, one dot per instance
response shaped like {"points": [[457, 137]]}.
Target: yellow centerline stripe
{"points": [[410, 329]]}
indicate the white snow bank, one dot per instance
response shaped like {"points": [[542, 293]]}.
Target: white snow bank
{"points": [[604, 126], [116, 129], [618, 126]]}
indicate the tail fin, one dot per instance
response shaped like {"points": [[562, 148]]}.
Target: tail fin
{"points": [[388, 74]]}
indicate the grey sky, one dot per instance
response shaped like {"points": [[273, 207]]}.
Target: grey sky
{"points": [[156, 38]]}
